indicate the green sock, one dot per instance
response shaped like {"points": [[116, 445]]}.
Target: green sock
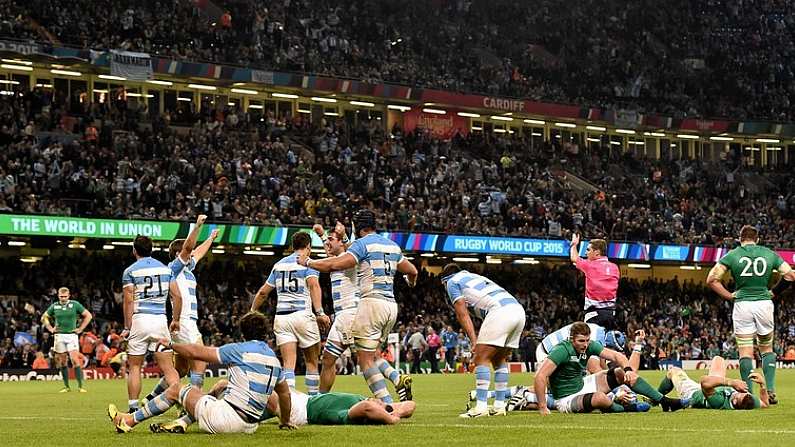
{"points": [[666, 386], [65, 376], [79, 375], [746, 367], [643, 387], [769, 369]]}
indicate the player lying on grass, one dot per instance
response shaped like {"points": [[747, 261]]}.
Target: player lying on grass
{"points": [[716, 391], [564, 369], [254, 373], [523, 398]]}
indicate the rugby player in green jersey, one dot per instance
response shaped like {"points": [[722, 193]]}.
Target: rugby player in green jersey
{"points": [[715, 391], [65, 313], [751, 267]]}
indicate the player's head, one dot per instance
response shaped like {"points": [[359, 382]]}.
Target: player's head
{"points": [[449, 270], [580, 336], [743, 401], [596, 248], [175, 247], [364, 221], [253, 326], [749, 233], [334, 243], [301, 240], [63, 295], [615, 340], [142, 246]]}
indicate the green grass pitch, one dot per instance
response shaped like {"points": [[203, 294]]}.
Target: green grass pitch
{"points": [[35, 414]]}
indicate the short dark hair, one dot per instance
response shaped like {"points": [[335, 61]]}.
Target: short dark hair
{"points": [[746, 403], [748, 233], [598, 244], [175, 247], [253, 326], [142, 246], [301, 240], [450, 269], [579, 328], [364, 219]]}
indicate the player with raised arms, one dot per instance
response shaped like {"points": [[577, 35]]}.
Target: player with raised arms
{"points": [[378, 259], [751, 267], [65, 313], [299, 312], [503, 323], [147, 284], [254, 374], [601, 281], [182, 253]]}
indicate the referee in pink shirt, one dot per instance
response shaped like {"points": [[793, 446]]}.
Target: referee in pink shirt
{"points": [[601, 281]]}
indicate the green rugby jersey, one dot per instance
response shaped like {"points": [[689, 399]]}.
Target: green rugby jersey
{"points": [[568, 376], [751, 267], [66, 315]]}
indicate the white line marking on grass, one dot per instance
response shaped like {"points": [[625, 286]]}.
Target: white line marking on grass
{"points": [[35, 418], [602, 428]]}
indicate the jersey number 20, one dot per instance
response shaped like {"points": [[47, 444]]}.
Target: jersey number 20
{"points": [[757, 267]]}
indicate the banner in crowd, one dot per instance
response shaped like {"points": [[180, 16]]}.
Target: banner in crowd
{"points": [[54, 374], [272, 236], [441, 126], [133, 66]]}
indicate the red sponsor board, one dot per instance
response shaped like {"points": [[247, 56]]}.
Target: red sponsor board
{"points": [[705, 125], [442, 126], [788, 255], [501, 104]]}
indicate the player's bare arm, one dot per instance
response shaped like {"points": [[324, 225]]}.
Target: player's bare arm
{"points": [[462, 314], [261, 296], [190, 242], [176, 305], [285, 405], [84, 323], [540, 384], [334, 264], [127, 306], [200, 251], [408, 269], [316, 295], [714, 282]]}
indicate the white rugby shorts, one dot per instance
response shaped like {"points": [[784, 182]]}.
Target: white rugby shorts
{"points": [[146, 332], [374, 321], [217, 416], [66, 343], [503, 327], [753, 317], [298, 327]]}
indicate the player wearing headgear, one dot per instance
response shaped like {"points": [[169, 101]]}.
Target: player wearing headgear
{"points": [[715, 391], [503, 323], [299, 312], [564, 370], [254, 374], [751, 267], [147, 283], [182, 253], [379, 259], [601, 281]]}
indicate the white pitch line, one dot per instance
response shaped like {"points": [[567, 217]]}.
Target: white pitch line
{"points": [[600, 428], [34, 418]]}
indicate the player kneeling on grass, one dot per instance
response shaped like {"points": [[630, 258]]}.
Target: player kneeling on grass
{"points": [[564, 369], [254, 373], [715, 391]]}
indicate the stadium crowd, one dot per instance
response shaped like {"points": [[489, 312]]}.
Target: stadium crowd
{"points": [[287, 171], [683, 321], [727, 58]]}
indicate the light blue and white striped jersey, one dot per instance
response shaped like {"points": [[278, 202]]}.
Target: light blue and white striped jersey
{"points": [[150, 278], [288, 277], [553, 339], [378, 258], [481, 294], [254, 372], [186, 281], [345, 289]]}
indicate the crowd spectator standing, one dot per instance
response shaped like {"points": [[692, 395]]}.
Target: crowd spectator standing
{"points": [[719, 58]]}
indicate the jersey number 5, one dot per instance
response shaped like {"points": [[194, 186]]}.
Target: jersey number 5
{"points": [[758, 265]]}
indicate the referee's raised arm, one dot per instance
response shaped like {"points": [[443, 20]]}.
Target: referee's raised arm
{"points": [[574, 252]]}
